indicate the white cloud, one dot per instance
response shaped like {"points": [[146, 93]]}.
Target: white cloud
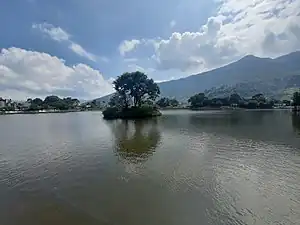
{"points": [[266, 28], [26, 74], [58, 34], [81, 51], [127, 46]]}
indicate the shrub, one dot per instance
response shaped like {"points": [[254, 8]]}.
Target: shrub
{"points": [[111, 113], [131, 113]]}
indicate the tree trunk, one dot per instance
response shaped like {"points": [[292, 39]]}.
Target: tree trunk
{"points": [[135, 101]]}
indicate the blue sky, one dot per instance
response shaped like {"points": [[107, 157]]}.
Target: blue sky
{"points": [[76, 48]]}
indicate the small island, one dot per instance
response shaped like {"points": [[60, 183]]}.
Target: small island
{"points": [[134, 98]]}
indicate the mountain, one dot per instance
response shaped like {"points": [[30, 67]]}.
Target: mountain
{"points": [[277, 88], [247, 69], [250, 70]]}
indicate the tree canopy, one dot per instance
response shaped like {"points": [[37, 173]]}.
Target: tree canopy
{"points": [[53, 102], [135, 88], [166, 102], [37, 101], [296, 98], [197, 100], [257, 101], [235, 98], [259, 97]]}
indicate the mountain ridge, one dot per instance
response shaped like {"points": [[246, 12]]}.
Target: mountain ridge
{"points": [[248, 69]]}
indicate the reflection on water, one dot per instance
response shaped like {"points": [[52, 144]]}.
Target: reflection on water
{"points": [[296, 122], [137, 140], [231, 168]]}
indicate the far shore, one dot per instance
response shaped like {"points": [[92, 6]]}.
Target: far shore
{"points": [[163, 109], [222, 109], [46, 111]]}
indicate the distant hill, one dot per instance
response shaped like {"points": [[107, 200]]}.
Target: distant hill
{"points": [[278, 88], [250, 73]]}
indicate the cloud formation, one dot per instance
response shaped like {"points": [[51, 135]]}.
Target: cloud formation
{"points": [[81, 51], [266, 28], [58, 34], [26, 74], [128, 46]]}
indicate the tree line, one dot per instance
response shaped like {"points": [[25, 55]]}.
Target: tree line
{"points": [[234, 100], [134, 90], [52, 102], [258, 101]]}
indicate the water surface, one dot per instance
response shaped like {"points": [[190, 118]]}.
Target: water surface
{"points": [[182, 168]]}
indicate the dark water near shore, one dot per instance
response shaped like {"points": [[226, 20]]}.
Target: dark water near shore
{"points": [[183, 168]]}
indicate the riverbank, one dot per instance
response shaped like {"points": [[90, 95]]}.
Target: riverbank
{"points": [[45, 111], [223, 108], [163, 109]]}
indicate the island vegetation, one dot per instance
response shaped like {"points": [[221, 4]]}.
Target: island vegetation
{"points": [[296, 101], [134, 97]]}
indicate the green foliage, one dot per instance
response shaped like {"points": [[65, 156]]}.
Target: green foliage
{"points": [[53, 102], [111, 113], [135, 86], [135, 93], [235, 100], [116, 101], [296, 99], [35, 104], [166, 102], [130, 113], [259, 98], [279, 88], [71, 102], [52, 99], [37, 101], [197, 100]]}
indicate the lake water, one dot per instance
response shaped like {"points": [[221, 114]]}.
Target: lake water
{"points": [[183, 168]]}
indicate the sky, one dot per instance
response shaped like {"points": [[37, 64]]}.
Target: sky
{"points": [[77, 48]]}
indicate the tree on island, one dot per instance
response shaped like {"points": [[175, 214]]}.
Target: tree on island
{"points": [[296, 101], [132, 91], [296, 98], [136, 86]]}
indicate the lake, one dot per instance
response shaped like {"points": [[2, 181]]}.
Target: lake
{"points": [[218, 168]]}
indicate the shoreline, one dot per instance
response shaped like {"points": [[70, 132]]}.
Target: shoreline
{"points": [[44, 112], [223, 109], [163, 109]]}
